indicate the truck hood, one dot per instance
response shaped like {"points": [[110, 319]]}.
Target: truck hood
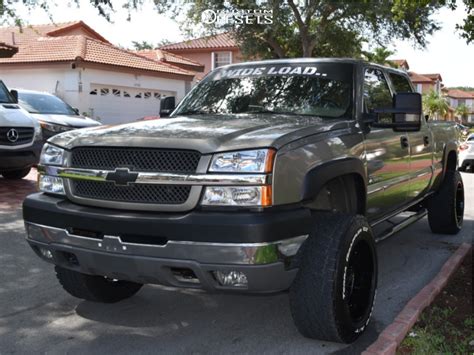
{"points": [[66, 120], [206, 134]]}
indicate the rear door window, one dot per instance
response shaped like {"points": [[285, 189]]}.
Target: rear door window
{"points": [[400, 83]]}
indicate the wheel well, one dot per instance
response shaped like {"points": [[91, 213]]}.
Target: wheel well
{"points": [[451, 161], [345, 193]]}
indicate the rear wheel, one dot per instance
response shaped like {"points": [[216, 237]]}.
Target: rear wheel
{"points": [[16, 174], [95, 288], [446, 208], [333, 294]]}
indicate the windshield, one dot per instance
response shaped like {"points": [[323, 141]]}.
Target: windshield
{"points": [[294, 90], [5, 97], [45, 104]]}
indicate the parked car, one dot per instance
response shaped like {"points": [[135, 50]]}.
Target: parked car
{"points": [[268, 176], [20, 138], [54, 115], [466, 155], [463, 130]]}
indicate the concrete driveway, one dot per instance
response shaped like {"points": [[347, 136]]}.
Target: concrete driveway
{"points": [[37, 316]]}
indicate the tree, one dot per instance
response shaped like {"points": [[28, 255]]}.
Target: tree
{"points": [[435, 105], [463, 112], [299, 27], [379, 56], [466, 28], [142, 45]]}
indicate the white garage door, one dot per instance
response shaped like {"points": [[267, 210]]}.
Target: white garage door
{"points": [[115, 104]]}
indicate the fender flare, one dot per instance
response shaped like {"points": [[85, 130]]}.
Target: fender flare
{"points": [[321, 174], [451, 146]]}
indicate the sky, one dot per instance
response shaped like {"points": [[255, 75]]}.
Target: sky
{"points": [[446, 53]]}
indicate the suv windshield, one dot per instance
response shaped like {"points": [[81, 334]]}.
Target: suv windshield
{"points": [[292, 89], [5, 97], [45, 104]]}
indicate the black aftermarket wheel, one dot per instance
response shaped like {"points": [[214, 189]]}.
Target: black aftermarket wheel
{"points": [[446, 208], [333, 294]]}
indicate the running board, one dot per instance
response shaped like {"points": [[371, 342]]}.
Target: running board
{"points": [[403, 224]]}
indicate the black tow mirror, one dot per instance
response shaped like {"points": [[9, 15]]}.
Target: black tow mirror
{"points": [[406, 113], [14, 94], [167, 105]]}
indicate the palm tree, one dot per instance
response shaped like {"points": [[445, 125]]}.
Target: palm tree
{"points": [[379, 56], [463, 112], [435, 105]]}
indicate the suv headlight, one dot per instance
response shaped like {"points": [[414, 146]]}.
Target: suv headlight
{"points": [[54, 128], [52, 155], [246, 161]]}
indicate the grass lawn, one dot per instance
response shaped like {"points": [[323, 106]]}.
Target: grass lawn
{"points": [[447, 326]]}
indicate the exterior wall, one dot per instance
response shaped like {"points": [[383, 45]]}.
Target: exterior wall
{"points": [[49, 78], [74, 85]]}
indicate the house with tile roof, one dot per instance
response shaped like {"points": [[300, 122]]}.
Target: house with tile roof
{"points": [[458, 97], [424, 83], [212, 51], [76, 63]]}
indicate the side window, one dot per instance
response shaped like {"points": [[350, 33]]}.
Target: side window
{"points": [[400, 83], [377, 93]]}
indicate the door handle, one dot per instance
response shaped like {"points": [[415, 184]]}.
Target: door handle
{"points": [[426, 141], [404, 142]]}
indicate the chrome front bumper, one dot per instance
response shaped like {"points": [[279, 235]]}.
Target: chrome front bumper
{"points": [[265, 264]]}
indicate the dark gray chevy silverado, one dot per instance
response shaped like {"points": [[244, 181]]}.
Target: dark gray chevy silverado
{"points": [[268, 176]]}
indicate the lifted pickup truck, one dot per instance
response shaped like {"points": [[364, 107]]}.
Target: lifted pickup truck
{"points": [[268, 176]]}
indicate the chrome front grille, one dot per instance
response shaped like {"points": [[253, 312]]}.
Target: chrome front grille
{"points": [[136, 159], [16, 135], [132, 193]]}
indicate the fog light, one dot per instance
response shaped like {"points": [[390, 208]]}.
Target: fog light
{"points": [[231, 278], [51, 184], [46, 253]]}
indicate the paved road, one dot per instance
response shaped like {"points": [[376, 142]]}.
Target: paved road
{"points": [[36, 316]]}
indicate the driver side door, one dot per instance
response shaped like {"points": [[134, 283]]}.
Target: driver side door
{"points": [[387, 152]]}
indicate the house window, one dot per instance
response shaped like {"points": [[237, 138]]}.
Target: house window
{"points": [[147, 95], [93, 92], [156, 95], [126, 94], [116, 92], [138, 96], [221, 58], [104, 91]]}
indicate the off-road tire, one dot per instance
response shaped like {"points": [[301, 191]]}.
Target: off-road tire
{"points": [[446, 208], [16, 174], [322, 290], [95, 288]]}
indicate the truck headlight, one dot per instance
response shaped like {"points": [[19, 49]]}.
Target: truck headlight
{"points": [[51, 184], [258, 196], [246, 161], [52, 155]]}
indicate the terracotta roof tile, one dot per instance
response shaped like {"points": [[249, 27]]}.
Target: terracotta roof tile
{"points": [[161, 55], [220, 41], [70, 48], [460, 94], [418, 78]]}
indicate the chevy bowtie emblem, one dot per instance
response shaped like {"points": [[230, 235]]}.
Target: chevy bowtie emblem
{"points": [[12, 135], [122, 176]]}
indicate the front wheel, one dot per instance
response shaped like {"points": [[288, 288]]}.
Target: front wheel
{"points": [[333, 294], [16, 174], [95, 288]]}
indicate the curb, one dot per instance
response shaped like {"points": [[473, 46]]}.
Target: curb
{"points": [[392, 336]]}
